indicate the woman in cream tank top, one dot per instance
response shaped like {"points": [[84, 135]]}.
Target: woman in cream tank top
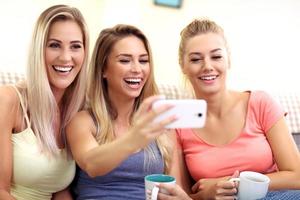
{"points": [[34, 113], [35, 175]]}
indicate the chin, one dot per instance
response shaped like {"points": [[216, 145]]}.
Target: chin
{"points": [[134, 94], [61, 85]]}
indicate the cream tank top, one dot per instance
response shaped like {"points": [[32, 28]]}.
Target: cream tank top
{"points": [[35, 175]]}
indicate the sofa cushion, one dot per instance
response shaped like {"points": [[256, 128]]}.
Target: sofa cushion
{"points": [[290, 101], [10, 77]]}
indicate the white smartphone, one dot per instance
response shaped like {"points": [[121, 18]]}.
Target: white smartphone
{"points": [[190, 113]]}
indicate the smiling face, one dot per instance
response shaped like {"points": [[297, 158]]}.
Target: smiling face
{"points": [[205, 63], [127, 68], [64, 54]]}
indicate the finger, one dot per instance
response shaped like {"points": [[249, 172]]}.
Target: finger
{"points": [[169, 188], [195, 187], [235, 174], [226, 198], [152, 113], [226, 192], [146, 105], [162, 196], [226, 184], [160, 126]]}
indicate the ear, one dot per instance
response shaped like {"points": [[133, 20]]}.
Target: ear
{"points": [[104, 74]]}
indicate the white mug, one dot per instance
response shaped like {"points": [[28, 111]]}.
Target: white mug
{"points": [[252, 185], [151, 190]]}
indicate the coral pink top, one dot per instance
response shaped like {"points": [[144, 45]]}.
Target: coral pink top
{"points": [[249, 151]]}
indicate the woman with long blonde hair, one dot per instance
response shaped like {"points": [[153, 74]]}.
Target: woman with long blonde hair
{"points": [[34, 114], [115, 141], [244, 130]]}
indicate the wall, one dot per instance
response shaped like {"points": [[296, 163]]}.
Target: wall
{"points": [[263, 35]]}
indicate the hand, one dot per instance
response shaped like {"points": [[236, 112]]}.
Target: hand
{"points": [[220, 188], [143, 129], [175, 192]]}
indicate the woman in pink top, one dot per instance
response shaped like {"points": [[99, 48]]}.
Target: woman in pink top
{"points": [[243, 130]]}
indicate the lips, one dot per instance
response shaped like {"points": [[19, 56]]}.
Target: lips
{"points": [[208, 77], [133, 81], [62, 69]]}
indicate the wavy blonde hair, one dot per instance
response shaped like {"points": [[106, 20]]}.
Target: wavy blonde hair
{"points": [[39, 99], [99, 102]]}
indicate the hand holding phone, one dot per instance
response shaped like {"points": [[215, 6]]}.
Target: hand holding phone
{"points": [[190, 113]]}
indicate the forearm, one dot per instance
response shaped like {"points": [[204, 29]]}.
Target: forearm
{"points": [[104, 158], [284, 180]]}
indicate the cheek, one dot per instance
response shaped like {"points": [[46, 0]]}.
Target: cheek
{"points": [[146, 70], [190, 70], [48, 57], [80, 58]]}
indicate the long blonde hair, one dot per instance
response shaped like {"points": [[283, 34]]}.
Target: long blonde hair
{"points": [[99, 102], [41, 104]]}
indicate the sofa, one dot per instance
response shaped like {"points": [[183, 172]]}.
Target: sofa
{"points": [[289, 100]]}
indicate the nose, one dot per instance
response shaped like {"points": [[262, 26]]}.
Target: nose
{"points": [[65, 55], [135, 67], [207, 64]]}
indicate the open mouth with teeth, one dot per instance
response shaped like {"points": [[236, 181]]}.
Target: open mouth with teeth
{"points": [[62, 69], [208, 78], [133, 81]]}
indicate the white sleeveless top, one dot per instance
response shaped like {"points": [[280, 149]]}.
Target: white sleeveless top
{"points": [[36, 176]]}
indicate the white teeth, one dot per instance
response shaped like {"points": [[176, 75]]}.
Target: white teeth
{"points": [[62, 68], [208, 78], [133, 80]]}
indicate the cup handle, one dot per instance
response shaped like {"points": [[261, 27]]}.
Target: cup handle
{"points": [[154, 193]]}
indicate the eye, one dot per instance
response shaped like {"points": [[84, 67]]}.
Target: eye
{"points": [[124, 61], [144, 61], [195, 60], [76, 46], [217, 57], [54, 45]]}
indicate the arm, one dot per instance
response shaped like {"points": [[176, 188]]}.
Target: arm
{"points": [[93, 158], [97, 159], [203, 189], [62, 195], [8, 113], [178, 167], [286, 157]]}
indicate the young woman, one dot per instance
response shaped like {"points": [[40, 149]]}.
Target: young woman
{"points": [[34, 114], [243, 130], [115, 141]]}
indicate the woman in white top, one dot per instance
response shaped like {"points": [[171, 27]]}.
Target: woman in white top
{"points": [[33, 114]]}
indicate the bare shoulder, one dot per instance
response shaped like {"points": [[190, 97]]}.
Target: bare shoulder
{"points": [[83, 117], [81, 120], [8, 96], [9, 106]]}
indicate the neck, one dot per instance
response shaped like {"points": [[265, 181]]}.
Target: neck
{"points": [[124, 108], [58, 94], [217, 103]]}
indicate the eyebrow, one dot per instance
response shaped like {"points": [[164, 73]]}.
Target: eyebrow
{"points": [[130, 55], [72, 42], [198, 53]]}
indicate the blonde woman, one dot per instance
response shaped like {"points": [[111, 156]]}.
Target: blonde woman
{"points": [[33, 114], [244, 131], [115, 141]]}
